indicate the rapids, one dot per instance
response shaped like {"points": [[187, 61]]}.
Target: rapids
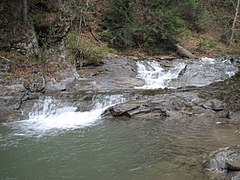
{"points": [[198, 73]]}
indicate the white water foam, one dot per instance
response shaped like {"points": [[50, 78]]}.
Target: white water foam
{"points": [[206, 60], [155, 76], [198, 73], [48, 116]]}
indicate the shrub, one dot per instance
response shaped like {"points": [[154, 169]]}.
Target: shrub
{"points": [[206, 45], [95, 52]]}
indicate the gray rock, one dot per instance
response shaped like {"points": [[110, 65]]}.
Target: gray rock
{"points": [[11, 115], [117, 73], [123, 110], [224, 163], [236, 177], [233, 165], [213, 104], [137, 109]]}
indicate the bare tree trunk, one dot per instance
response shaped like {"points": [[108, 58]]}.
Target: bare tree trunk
{"points": [[234, 23], [183, 52], [24, 11]]}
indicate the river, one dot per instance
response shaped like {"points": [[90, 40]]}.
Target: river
{"points": [[114, 149], [60, 142]]}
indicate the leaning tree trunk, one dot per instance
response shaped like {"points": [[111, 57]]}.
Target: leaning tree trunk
{"points": [[234, 23], [183, 52], [24, 11]]}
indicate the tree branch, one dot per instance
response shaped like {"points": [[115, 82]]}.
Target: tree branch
{"points": [[234, 23]]}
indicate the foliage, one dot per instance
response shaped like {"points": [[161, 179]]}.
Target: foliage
{"points": [[80, 10], [206, 45], [222, 3], [149, 24], [193, 11], [235, 48], [222, 16], [117, 24], [96, 52]]}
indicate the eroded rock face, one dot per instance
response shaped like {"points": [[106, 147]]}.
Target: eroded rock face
{"points": [[117, 73], [47, 26], [15, 36], [27, 46], [167, 105], [135, 110], [224, 163]]}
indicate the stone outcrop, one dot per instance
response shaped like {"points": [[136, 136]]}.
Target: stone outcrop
{"points": [[135, 110], [224, 163], [47, 26], [173, 105]]}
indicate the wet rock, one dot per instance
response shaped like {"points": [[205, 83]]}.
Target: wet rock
{"points": [[183, 71], [123, 110], [236, 177], [235, 118], [224, 163], [233, 165], [213, 104], [118, 73], [11, 115], [160, 104], [137, 109], [224, 114]]}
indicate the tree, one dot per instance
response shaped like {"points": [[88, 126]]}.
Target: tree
{"points": [[234, 23], [24, 11], [141, 23], [117, 24]]}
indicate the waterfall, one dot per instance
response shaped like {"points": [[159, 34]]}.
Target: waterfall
{"points": [[155, 76], [198, 72], [47, 115]]}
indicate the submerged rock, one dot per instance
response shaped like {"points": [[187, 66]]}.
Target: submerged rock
{"points": [[224, 163], [11, 115], [233, 165]]}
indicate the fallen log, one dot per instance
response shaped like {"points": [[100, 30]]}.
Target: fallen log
{"points": [[183, 52]]}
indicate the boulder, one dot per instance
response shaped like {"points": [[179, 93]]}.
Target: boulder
{"points": [[224, 163], [137, 109], [233, 165]]}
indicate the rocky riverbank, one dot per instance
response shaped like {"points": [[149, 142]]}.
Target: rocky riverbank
{"points": [[220, 100]]}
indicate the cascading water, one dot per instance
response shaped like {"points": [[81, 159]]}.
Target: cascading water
{"points": [[48, 115], [185, 73], [155, 76]]}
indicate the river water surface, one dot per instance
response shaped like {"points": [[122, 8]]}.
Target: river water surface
{"points": [[112, 149]]}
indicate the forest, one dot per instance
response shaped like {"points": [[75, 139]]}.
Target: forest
{"points": [[152, 27], [51, 35]]}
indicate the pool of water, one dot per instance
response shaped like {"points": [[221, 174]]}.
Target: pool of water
{"points": [[114, 149]]}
